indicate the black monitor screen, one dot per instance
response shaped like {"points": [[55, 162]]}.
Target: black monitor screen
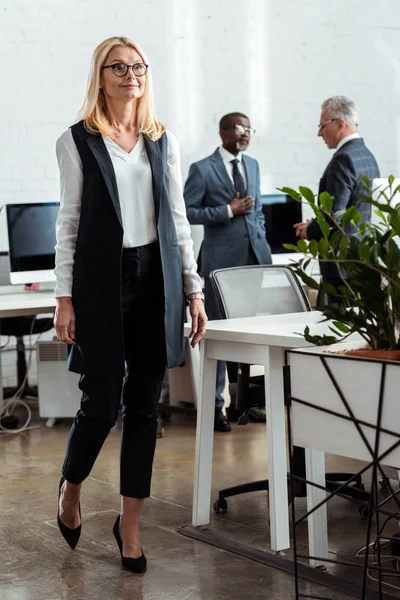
{"points": [[281, 213], [32, 235]]}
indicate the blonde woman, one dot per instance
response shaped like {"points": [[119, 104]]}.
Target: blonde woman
{"points": [[124, 269]]}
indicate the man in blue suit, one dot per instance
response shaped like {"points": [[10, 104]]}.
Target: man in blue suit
{"points": [[222, 193], [342, 177]]}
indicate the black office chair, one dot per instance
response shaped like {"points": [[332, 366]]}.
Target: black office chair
{"points": [[267, 290], [20, 327]]}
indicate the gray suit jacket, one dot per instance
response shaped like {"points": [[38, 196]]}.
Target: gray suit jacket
{"points": [[208, 191], [342, 179]]}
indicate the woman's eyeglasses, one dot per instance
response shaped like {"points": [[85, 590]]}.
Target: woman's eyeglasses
{"points": [[121, 69]]}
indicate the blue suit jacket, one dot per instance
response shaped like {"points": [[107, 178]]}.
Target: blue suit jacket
{"points": [[342, 179], [208, 191]]}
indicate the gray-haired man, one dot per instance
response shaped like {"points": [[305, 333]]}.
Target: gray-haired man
{"points": [[342, 177]]}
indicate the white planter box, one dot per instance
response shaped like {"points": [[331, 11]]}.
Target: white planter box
{"points": [[359, 380]]}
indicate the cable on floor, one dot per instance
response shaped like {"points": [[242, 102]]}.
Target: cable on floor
{"points": [[12, 403]]}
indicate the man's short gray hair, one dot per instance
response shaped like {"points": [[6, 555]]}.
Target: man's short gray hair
{"points": [[342, 108]]}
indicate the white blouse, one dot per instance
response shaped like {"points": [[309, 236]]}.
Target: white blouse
{"points": [[134, 181]]}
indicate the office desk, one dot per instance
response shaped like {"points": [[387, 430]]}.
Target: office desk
{"points": [[24, 304], [260, 341]]}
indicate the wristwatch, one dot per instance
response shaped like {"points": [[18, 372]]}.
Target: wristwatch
{"points": [[196, 296]]}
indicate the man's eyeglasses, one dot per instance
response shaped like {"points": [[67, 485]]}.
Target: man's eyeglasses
{"points": [[321, 126], [121, 69], [241, 129]]}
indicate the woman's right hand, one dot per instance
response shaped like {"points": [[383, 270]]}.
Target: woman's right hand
{"points": [[64, 320]]}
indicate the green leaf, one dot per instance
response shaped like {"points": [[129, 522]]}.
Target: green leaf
{"points": [[351, 214], [396, 190], [323, 247], [320, 340], [313, 247], [344, 291], [385, 238], [314, 285], [363, 229], [308, 194], [357, 217], [302, 246], [343, 245], [335, 331], [391, 179], [325, 227], [380, 214], [326, 202], [335, 238], [364, 252], [290, 247], [366, 181], [342, 327], [290, 192]]}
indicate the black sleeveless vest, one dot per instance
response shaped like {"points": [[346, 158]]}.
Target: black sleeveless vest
{"points": [[96, 287]]}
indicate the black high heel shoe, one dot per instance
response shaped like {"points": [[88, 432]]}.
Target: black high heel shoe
{"points": [[138, 565], [71, 536]]}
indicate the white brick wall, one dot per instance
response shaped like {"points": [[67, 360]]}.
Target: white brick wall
{"points": [[273, 59]]}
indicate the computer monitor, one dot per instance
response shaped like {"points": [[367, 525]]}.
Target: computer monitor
{"points": [[32, 238], [281, 213]]}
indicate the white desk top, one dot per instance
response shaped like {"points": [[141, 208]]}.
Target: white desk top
{"points": [[272, 330], [27, 303]]}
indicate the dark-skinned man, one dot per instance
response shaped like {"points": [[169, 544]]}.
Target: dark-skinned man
{"points": [[222, 193]]}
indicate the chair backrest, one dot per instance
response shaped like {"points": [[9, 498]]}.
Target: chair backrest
{"points": [[258, 290]]}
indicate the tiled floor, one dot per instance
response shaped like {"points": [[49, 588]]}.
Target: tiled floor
{"points": [[36, 564]]}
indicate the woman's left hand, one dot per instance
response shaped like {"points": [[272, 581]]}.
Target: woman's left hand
{"points": [[199, 321]]}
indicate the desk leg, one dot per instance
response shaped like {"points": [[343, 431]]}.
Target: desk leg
{"points": [[317, 522], [204, 439], [276, 444]]}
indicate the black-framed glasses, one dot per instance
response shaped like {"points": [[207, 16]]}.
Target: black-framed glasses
{"points": [[241, 129], [120, 69], [321, 126]]}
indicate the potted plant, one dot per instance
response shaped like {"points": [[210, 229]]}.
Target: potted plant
{"points": [[367, 262]]}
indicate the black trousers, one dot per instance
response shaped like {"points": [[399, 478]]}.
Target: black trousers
{"points": [[138, 393]]}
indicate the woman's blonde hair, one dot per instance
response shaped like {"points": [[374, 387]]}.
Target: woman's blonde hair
{"points": [[94, 109]]}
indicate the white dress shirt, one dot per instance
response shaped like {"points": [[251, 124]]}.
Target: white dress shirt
{"points": [[227, 157], [352, 136], [134, 181]]}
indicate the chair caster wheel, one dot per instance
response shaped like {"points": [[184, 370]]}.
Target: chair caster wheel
{"points": [[363, 509], [220, 507], [384, 482]]}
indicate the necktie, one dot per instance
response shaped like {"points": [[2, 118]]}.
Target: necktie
{"points": [[238, 180]]}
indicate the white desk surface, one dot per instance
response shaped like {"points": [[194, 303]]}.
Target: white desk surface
{"points": [[272, 330], [22, 303]]}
